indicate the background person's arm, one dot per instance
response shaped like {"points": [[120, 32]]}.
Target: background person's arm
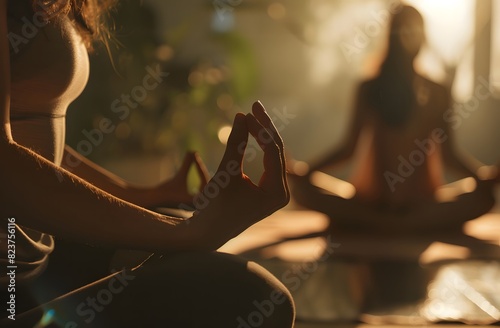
{"points": [[350, 141], [456, 159], [465, 164]]}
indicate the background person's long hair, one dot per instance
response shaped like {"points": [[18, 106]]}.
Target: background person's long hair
{"points": [[394, 98], [89, 15]]}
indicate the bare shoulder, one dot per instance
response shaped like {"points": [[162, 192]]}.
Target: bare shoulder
{"points": [[46, 43], [54, 53]]}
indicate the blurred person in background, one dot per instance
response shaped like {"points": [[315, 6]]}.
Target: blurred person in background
{"points": [[403, 144], [185, 283]]}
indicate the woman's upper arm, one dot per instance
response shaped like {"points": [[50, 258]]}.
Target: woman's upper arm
{"points": [[448, 146], [4, 75], [453, 157]]}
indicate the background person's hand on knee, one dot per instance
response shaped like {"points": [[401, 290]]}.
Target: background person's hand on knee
{"points": [[176, 191]]}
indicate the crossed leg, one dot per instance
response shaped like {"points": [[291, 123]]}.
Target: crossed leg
{"points": [[182, 290], [445, 214]]}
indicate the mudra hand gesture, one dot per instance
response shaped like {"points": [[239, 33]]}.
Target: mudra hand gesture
{"points": [[231, 202]]}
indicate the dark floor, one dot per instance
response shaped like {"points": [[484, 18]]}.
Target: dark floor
{"points": [[357, 281]]}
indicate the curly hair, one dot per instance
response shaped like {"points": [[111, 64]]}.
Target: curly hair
{"points": [[89, 15]]}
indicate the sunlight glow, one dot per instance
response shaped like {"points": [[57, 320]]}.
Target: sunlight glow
{"points": [[48, 318], [451, 286], [451, 191], [224, 133], [333, 185], [305, 251], [300, 168], [276, 11], [438, 251], [495, 56], [449, 26]]}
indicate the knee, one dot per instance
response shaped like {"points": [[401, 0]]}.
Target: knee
{"points": [[224, 290], [251, 295], [303, 191], [482, 199], [271, 306], [488, 202]]}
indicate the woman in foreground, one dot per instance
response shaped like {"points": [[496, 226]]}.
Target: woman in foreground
{"points": [[189, 285]]}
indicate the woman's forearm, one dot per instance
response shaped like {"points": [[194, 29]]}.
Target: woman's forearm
{"points": [[105, 180], [165, 193]]}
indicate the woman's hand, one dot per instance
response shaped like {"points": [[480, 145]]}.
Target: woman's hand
{"points": [[487, 173], [231, 202], [176, 191]]}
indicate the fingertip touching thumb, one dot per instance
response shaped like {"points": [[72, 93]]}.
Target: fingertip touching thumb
{"points": [[239, 132]]}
